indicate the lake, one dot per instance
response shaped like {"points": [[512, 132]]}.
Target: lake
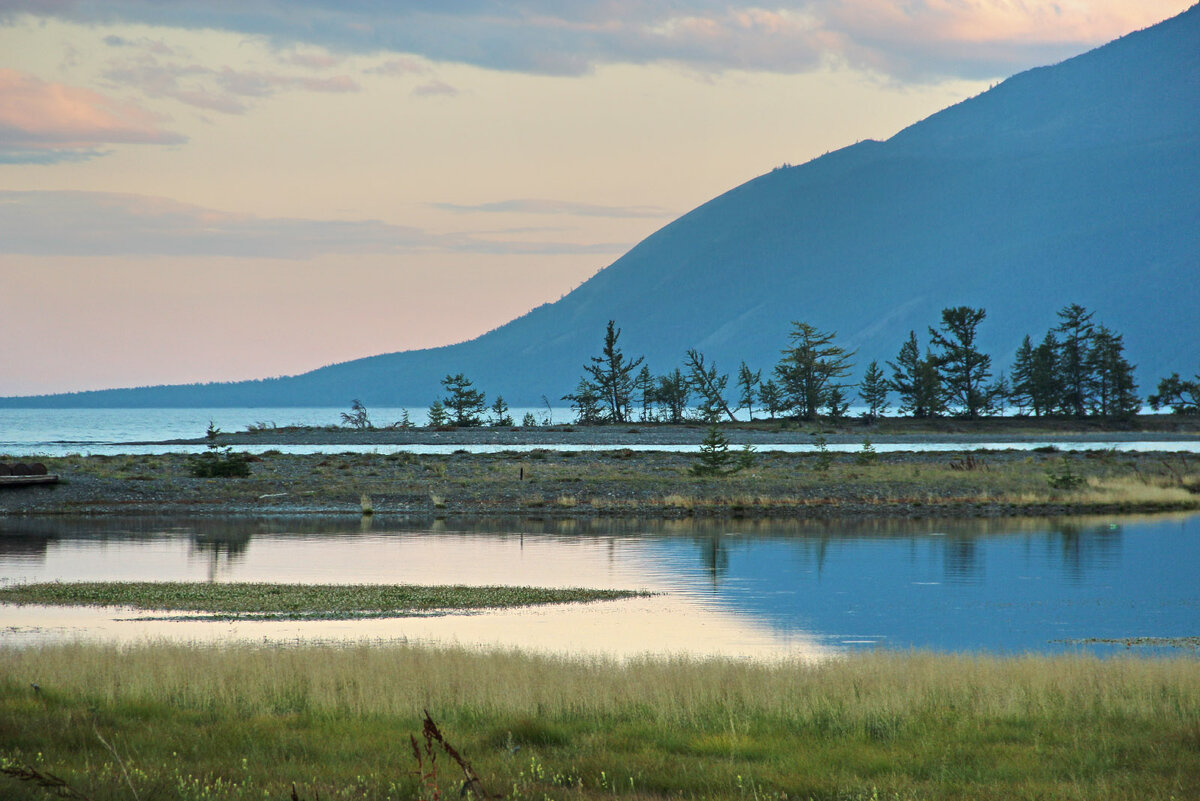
{"points": [[797, 588], [60, 432]]}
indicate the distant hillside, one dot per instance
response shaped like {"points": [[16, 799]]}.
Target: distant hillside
{"points": [[1076, 183]]}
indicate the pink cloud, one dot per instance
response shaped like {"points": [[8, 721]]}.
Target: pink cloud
{"points": [[40, 115]]}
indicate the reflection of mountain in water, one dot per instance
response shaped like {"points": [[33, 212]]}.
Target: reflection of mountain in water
{"points": [[953, 590]]}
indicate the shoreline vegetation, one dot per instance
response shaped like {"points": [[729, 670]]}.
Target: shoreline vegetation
{"points": [[243, 722], [616, 481]]}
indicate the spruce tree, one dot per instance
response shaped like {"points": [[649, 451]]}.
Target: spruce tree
{"points": [[771, 398], [810, 368], [709, 385], [1112, 376], [464, 404], [962, 368], [874, 391], [673, 395], [1074, 374], [748, 381], [1181, 394], [612, 375], [915, 380]]}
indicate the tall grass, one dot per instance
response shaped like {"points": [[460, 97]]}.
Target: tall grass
{"points": [[337, 719]]}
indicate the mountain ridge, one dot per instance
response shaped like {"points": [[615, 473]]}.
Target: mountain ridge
{"points": [[1072, 183]]}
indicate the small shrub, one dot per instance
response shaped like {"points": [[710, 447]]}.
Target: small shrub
{"points": [[1064, 479], [824, 457], [218, 461]]}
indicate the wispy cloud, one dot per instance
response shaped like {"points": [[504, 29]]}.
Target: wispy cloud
{"points": [[221, 89], [536, 206], [434, 88], [110, 224], [43, 122], [570, 37]]}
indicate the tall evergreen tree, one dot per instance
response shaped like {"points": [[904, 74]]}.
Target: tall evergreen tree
{"points": [[463, 403], [500, 414], [1078, 331], [748, 381], [585, 400], [915, 380], [962, 368], [673, 395], [1021, 395], [1046, 390], [644, 388], [1181, 394], [709, 385], [1112, 376], [874, 391], [771, 398], [810, 368], [612, 375]]}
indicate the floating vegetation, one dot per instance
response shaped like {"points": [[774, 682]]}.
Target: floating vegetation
{"points": [[246, 601]]}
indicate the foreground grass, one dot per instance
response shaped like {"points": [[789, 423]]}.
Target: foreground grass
{"points": [[295, 601], [176, 722]]}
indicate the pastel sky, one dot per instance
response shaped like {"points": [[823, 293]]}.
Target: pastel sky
{"points": [[216, 190]]}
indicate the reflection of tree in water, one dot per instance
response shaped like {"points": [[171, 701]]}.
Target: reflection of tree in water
{"points": [[1086, 547], [714, 555], [961, 560], [23, 548], [221, 550]]}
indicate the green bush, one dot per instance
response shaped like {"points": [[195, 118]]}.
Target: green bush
{"points": [[219, 461]]}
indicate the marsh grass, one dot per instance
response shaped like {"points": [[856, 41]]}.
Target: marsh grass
{"points": [[295, 601], [651, 482], [250, 721]]}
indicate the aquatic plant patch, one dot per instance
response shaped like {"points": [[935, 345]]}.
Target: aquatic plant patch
{"points": [[226, 601]]}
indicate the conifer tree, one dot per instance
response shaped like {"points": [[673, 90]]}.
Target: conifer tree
{"points": [[500, 415], [463, 403], [612, 375], [585, 400], [915, 380], [748, 381], [1181, 394], [437, 414], [1112, 376], [810, 368], [644, 386], [771, 398], [874, 391], [673, 395], [1074, 375], [962, 367], [709, 385]]}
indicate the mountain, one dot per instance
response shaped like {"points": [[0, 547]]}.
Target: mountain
{"points": [[1075, 183]]}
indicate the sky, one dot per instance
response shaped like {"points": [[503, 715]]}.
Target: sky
{"points": [[216, 190]]}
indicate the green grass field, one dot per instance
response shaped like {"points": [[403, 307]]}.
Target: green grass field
{"points": [[163, 721]]}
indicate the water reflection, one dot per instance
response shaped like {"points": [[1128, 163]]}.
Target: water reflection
{"points": [[731, 587]]}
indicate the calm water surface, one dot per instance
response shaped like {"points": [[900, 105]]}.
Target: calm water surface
{"points": [[771, 588], [59, 432]]}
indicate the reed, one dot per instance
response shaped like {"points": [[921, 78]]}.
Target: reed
{"points": [[336, 721]]}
